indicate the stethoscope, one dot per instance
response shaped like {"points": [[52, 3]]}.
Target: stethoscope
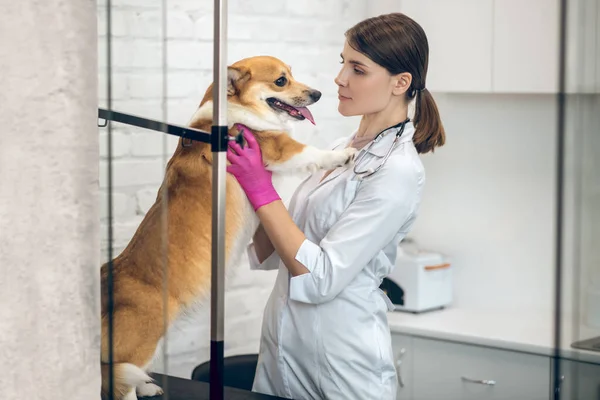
{"points": [[370, 171]]}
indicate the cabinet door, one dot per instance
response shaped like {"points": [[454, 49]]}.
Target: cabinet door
{"points": [[375, 8], [526, 46], [580, 381], [459, 33], [583, 47], [597, 24], [403, 355], [453, 371]]}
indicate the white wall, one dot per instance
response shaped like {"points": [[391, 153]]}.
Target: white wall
{"points": [[489, 199], [300, 33], [49, 227], [490, 204]]}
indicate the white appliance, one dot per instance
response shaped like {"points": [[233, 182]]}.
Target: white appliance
{"points": [[421, 280]]}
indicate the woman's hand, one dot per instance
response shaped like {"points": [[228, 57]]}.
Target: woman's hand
{"points": [[248, 168]]}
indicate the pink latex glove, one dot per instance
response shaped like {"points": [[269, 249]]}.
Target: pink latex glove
{"points": [[248, 168]]}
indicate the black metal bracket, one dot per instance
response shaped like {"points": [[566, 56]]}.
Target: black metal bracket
{"points": [[218, 138], [176, 130]]}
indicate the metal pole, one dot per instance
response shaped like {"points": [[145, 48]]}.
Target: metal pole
{"points": [[110, 284], [219, 137], [560, 193]]}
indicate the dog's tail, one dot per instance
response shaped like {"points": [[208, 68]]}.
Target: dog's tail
{"points": [[125, 378]]}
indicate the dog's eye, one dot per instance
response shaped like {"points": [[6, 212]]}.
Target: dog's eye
{"points": [[281, 81]]}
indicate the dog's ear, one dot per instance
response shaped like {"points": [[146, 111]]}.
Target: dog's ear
{"points": [[235, 78]]}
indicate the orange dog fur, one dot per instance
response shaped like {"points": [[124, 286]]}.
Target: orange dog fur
{"points": [[177, 228]]}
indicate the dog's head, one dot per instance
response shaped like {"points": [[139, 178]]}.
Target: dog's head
{"points": [[262, 94]]}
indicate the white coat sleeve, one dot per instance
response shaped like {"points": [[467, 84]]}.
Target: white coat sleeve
{"points": [[270, 263], [381, 207]]}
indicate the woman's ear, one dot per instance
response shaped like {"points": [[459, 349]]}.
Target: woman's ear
{"points": [[401, 83]]}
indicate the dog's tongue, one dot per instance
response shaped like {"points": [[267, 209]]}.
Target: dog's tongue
{"points": [[306, 114]]}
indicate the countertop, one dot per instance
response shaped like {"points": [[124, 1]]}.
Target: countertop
{"points": [[527, 332]]}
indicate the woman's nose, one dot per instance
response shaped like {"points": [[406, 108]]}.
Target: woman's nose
{"points": [[340, 80]]}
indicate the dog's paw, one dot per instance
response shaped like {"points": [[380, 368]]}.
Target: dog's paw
{"points": [[149, 389], [341, 158], [313, 167], [350, 155]]}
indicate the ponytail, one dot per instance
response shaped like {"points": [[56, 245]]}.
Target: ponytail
{"points": [[429, 131]]}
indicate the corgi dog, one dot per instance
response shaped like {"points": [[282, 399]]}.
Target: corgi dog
{"points": [[176, 231]]}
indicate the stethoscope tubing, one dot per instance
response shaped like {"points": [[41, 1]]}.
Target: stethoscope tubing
{"points": [[370, 171]]}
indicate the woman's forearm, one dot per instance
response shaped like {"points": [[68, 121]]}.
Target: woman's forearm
{"points": [[262, 244], [284, 235]]}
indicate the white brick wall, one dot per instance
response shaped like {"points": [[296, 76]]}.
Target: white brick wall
{"points": [[308, 34]]}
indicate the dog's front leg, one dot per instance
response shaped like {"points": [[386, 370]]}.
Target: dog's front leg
{"points": [[282, 153]]}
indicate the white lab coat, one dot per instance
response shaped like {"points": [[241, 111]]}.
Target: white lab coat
{"points": [[325, 334]]}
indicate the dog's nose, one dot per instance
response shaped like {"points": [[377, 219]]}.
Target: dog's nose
{"points": [[315, 95]]}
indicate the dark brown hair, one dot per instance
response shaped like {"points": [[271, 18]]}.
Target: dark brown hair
{"points": [[399, 44]]}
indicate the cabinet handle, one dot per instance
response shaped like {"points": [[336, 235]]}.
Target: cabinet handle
{"points": [[480, 381], [398, 365], [559, 387]]}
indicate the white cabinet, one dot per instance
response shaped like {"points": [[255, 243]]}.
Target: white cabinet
{"points": [[583, 46], [581, 381], [403, 355], [597, 59], [526, 46], [453, 371], [375, 8], [430, 368], [507, 46], [460, 42]]}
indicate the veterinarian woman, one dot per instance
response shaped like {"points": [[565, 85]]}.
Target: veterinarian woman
{"points": [[325, 333]]}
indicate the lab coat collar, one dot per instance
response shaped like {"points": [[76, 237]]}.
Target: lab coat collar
{"points": [[382, 143], [380, 147]]}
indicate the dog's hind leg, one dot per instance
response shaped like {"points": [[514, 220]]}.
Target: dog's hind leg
{"points": [[131, 395], [136, 333]]}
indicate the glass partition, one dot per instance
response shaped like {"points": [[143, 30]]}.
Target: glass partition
{"points": [[475, 308]]}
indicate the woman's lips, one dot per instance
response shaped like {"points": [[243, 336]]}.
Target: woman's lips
{"points": [[341, 97]]}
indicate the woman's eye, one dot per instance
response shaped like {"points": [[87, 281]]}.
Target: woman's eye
{"points": [[358, 71], [281, 81]]}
